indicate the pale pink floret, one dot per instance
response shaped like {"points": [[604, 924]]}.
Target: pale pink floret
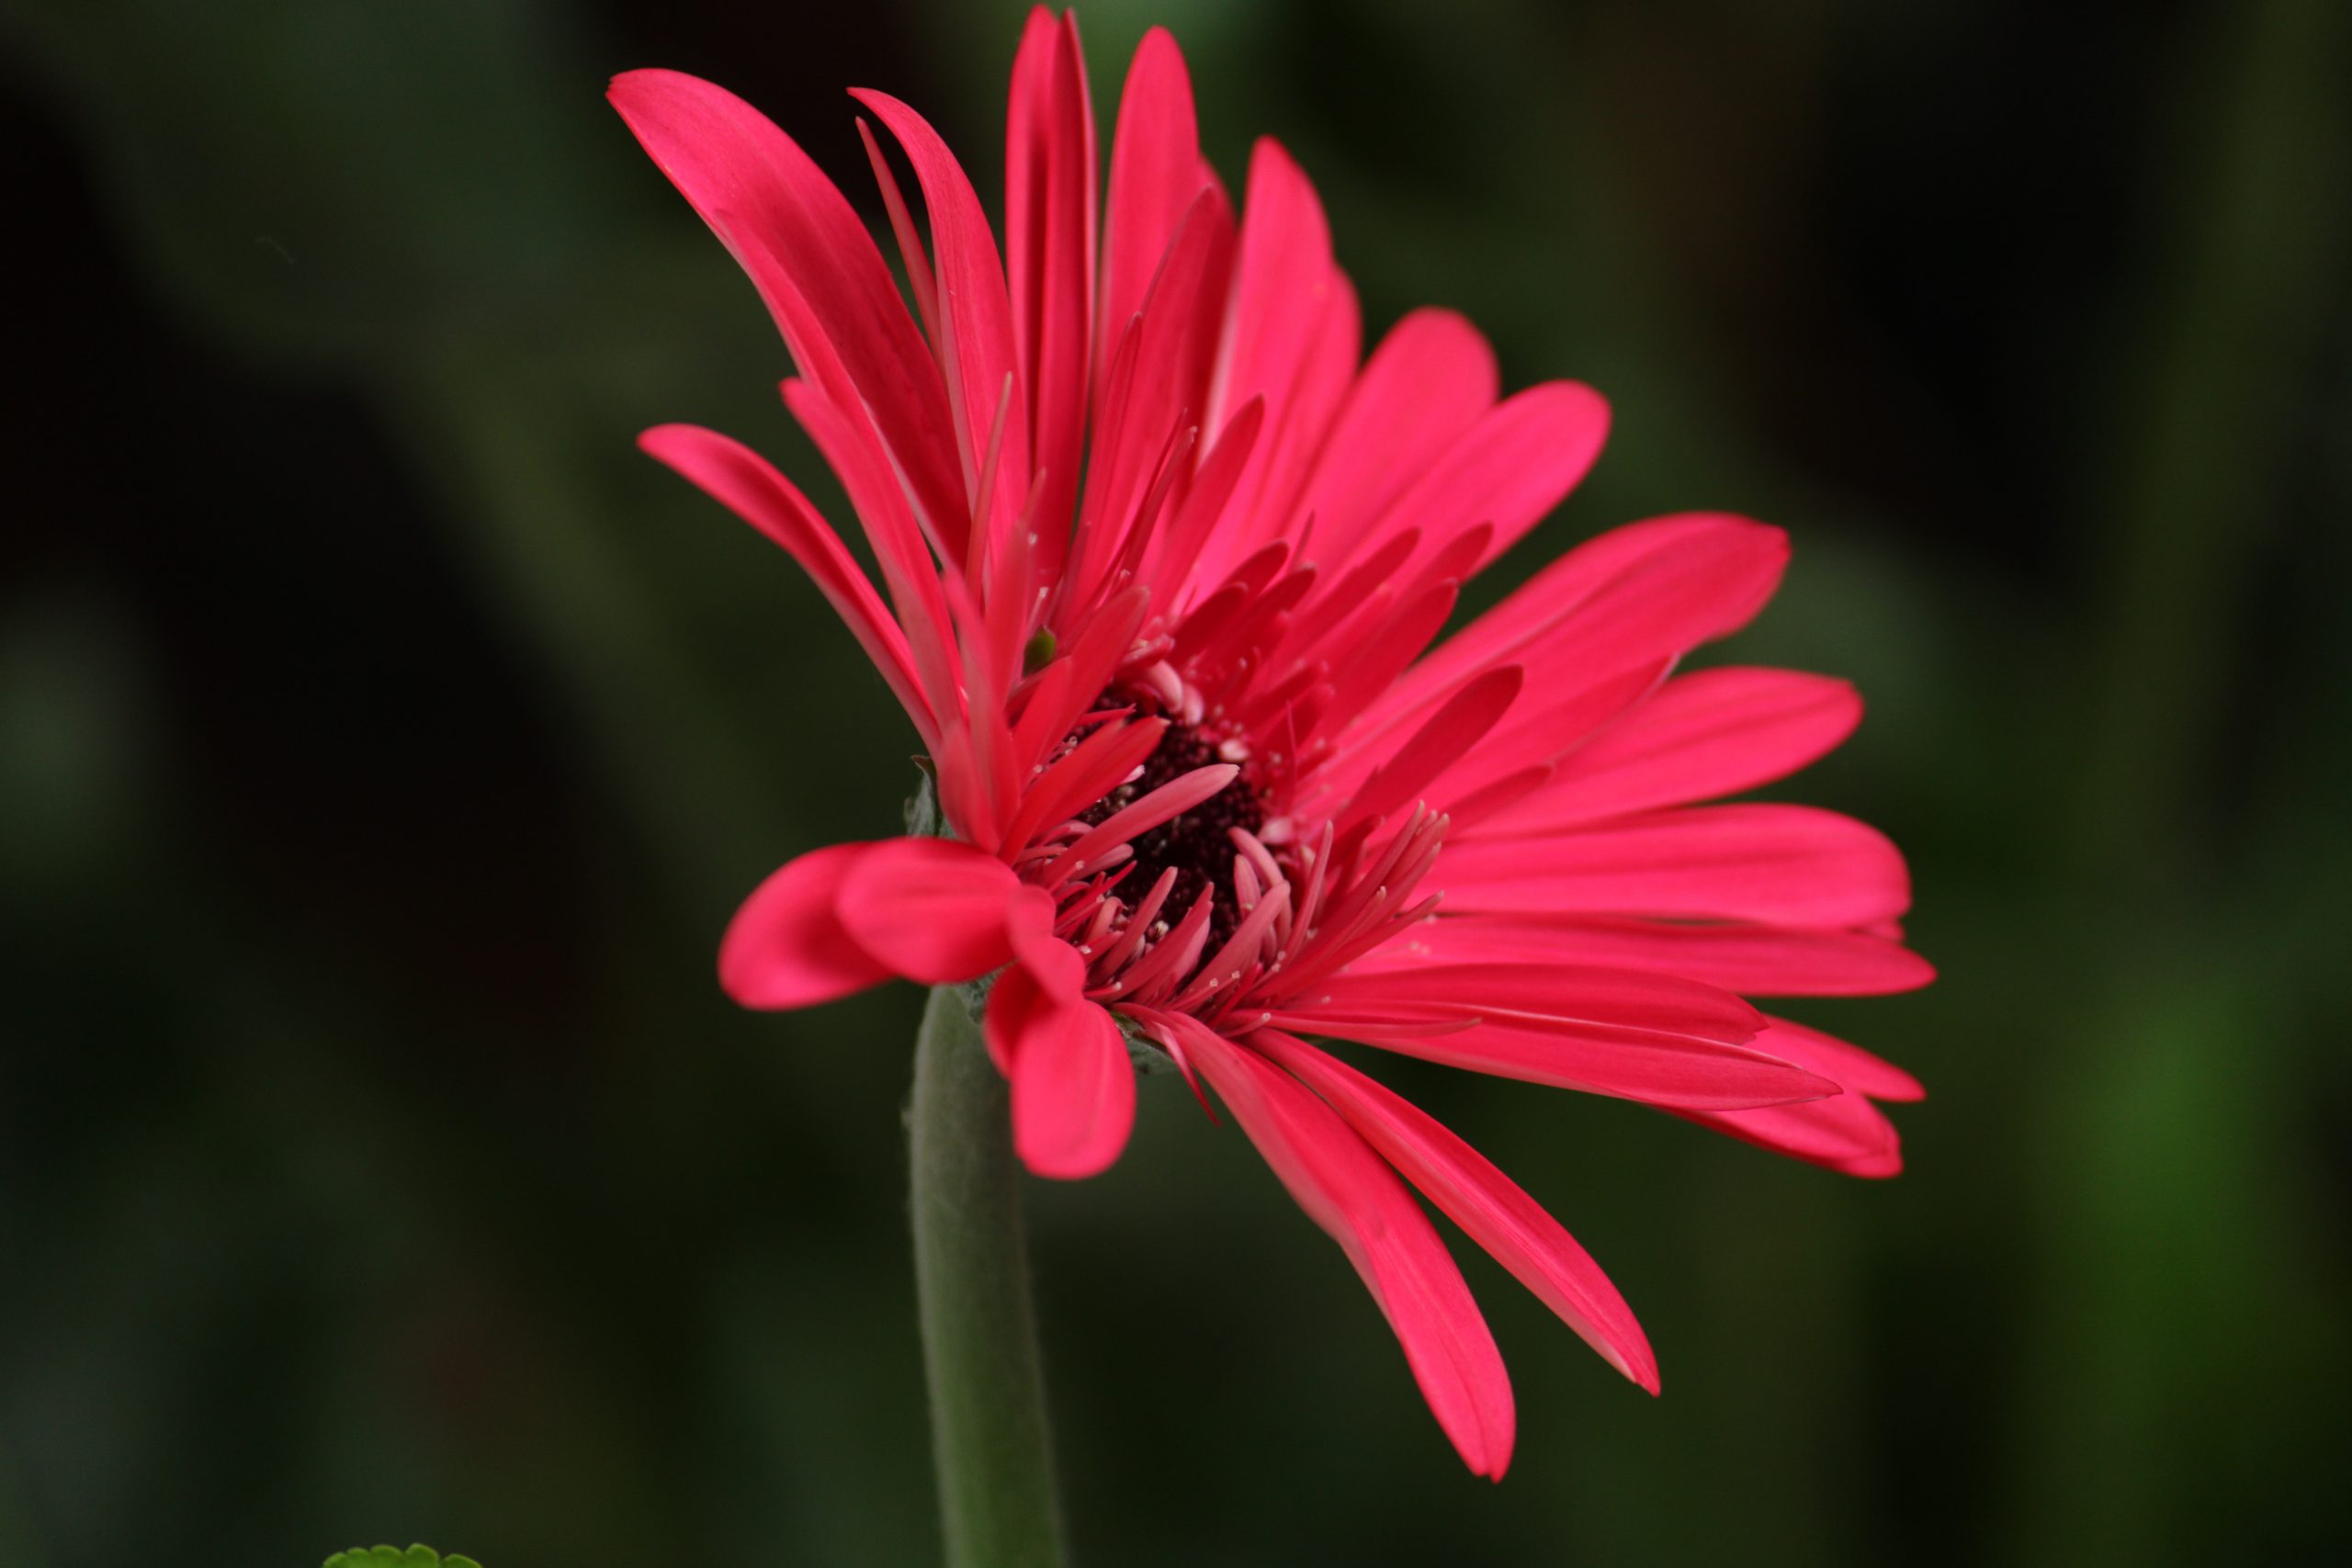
{"points": [[1159, 552]]}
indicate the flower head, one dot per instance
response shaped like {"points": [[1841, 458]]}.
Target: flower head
{"points": [[1164, 561]]}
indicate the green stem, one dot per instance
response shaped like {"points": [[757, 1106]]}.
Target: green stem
{"points": [[979, 1333]]}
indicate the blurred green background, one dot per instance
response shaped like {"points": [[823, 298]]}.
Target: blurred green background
{"points": [[384, 742]]}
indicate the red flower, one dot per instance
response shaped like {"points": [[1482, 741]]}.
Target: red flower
{"points": [[1162, 561]]}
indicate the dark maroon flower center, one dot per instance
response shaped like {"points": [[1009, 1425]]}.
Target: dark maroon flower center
{"points": [[1198, 846]]}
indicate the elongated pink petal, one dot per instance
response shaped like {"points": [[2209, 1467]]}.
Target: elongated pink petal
{"points": [[1091, 771], [1267, 497], [1281, 279], [1655, 1066], [891, 526], [1049, 182], [1847, 1134], [976, 318], [1713, 733], [787, 948], [1753, 960], [741, 480], [1291, 336], [1389, 646], [1857, 1069], [1490, 1207], [1845, 1131], [1165, 804], [1156, 174], [1440, 743], [812, 261], [1691, 588], [1359, 1202], [1148, 411], [1483, 797], [932, 910], [1509, 470], [1345, 594], [1173, 551], [1545, 730], [1668, 1004], [1428, 383], [1633, 596], [1788, 864]]}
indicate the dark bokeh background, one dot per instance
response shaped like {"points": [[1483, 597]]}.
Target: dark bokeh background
{"points": [[384, 743]]}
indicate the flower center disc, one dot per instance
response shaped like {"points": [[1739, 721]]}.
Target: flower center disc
{"points": [[1198, 846]]}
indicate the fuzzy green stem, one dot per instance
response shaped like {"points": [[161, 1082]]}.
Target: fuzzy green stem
{"points": [[989, 1434]]}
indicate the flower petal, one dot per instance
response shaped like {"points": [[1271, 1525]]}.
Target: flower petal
{"points": [[812, 260], [1073, 1084], [1282, 278], [1050, 222], [741, 480], [1163, 805], [1667, 1004], [1156, 174], [787, 948], [1713, 733], [934, 911], [1785, 864], [1753, 960], [1148, 402], [1538, 733], [1489, 1206], [1509, 470], [1011, 999], [1427, 384], [975, 315], [1440, 743], [1348, 1191], [1044, 970], [1674, 1071], [864, 469], [1857, 1069], [1629, 597], [1846, 1134], [1291, 336]]}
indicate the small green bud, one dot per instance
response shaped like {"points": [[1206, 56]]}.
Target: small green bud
{"points": [[1038, 653]]}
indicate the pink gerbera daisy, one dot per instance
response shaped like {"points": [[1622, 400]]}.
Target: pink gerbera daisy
{"points": [[1164, 563]]}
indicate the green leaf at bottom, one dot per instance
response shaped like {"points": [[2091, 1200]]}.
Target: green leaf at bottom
{"points": [[393, 1557]]}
